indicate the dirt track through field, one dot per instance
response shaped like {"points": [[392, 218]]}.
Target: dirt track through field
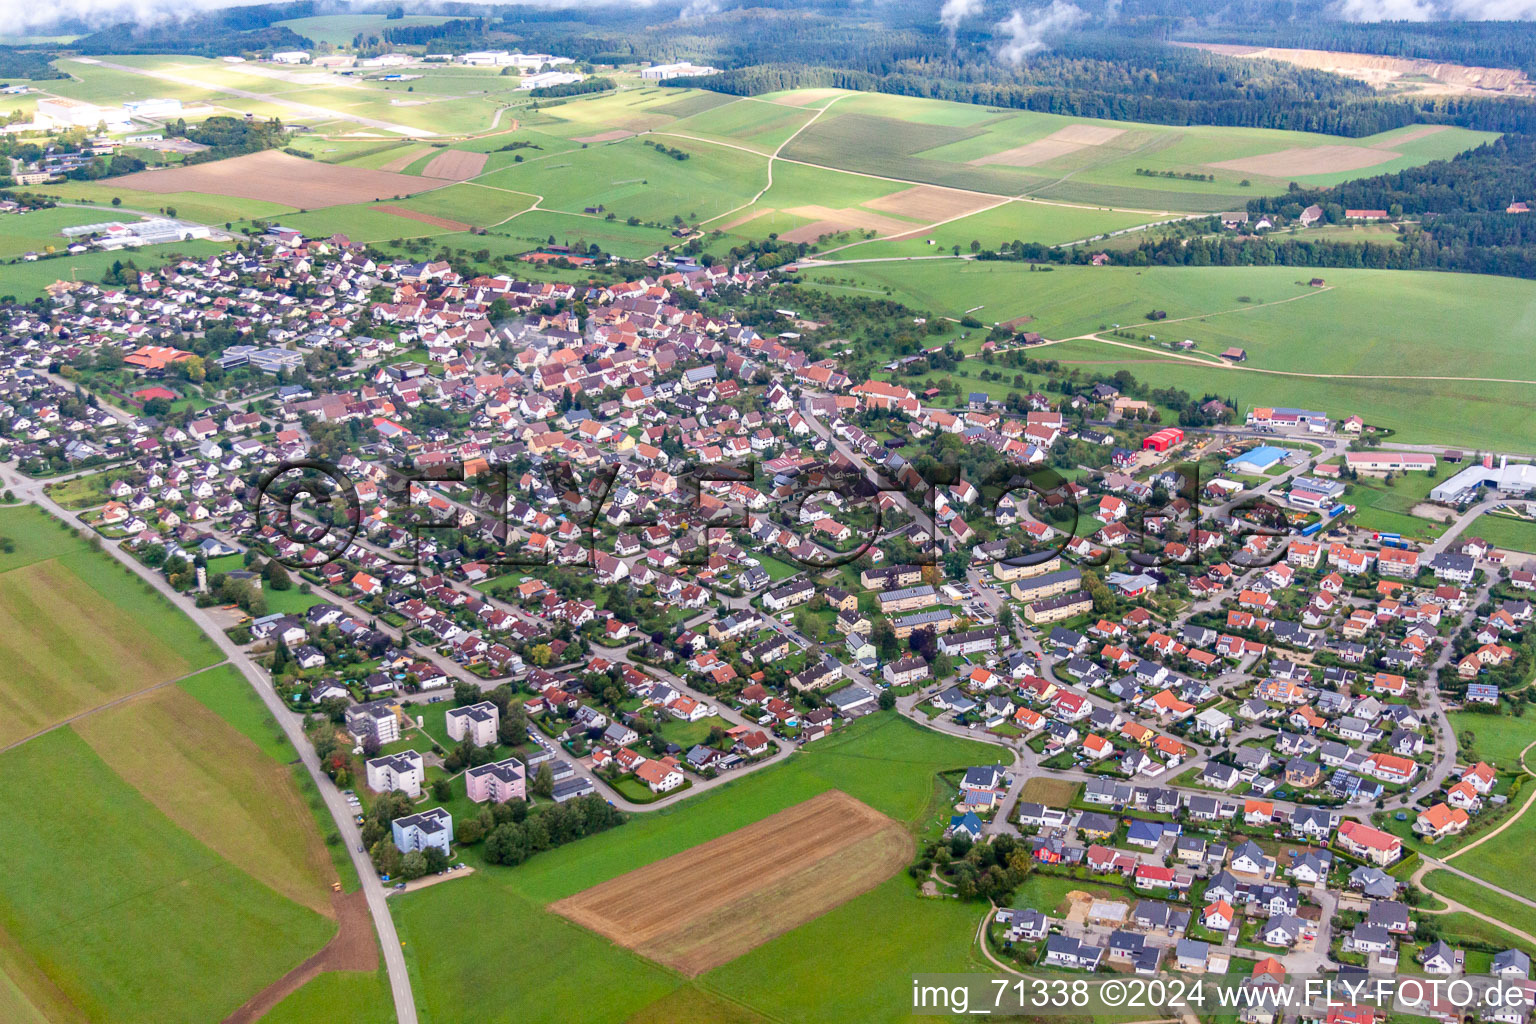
{"points": [[455, 165], [276, 177], [352, 948], [710, 904], [425, 218]]}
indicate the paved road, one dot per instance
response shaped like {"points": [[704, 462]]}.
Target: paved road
{"points": [[373, 889]]}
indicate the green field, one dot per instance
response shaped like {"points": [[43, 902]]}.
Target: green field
{"points": [[108, 634], [1504, 531], [150, 826], [882, 760], [196, 206], [38, 231], [1387, 508], [949, 143], [26, 281], [339, 29], [631, 179], [84, 491], [117, 907], [1497, 739], [1408, 327], [1470, 894], [337, 997], [1505, 859]]}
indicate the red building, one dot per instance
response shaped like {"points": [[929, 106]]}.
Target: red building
{"points": [[1163, 440]]}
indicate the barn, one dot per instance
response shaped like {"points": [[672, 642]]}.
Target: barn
{"points": [[1163, 440]]}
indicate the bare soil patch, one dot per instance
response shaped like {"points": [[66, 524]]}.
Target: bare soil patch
{"points": [[805, 97], [1417, 133], [406, 157], [1087, 134], [1404, 73], [1060, 143], [425, 218], [710, 904], [1048, 791], [1017, 322], [829, 222], [609, 136], [1434, 513], [929, 203], [279, 178], [455, 165], [1304, 160], [750, 215], [352, 948]]}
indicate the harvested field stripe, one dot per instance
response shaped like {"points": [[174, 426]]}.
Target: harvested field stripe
{"points": [[746, 886], [726, 932], [107, 657], [404, 159], [609, 136], [744, 219], [279, 178], [929, 203], [1304, 160], [426, 218], [1417, 133], [219, 786], [455, 165]]}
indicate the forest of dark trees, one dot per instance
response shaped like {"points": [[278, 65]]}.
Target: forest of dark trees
{"points": [[468, 30]]}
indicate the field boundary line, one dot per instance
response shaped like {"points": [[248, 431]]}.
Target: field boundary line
{"points": [[771, 157], [72, 719]]}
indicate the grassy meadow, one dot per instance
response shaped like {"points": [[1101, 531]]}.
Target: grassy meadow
{"points": [[958, 144], [882, 760], [1470, 894], [1504, 531], [115, 905], [1369, 342], [108, 635], [164, 842]]}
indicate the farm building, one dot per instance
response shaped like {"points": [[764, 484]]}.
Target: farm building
{"points": [[1258, 460], [1389, 462], [1163, 440]]}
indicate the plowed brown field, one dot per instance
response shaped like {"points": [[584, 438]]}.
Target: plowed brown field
{"points": [[708, 905]]}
